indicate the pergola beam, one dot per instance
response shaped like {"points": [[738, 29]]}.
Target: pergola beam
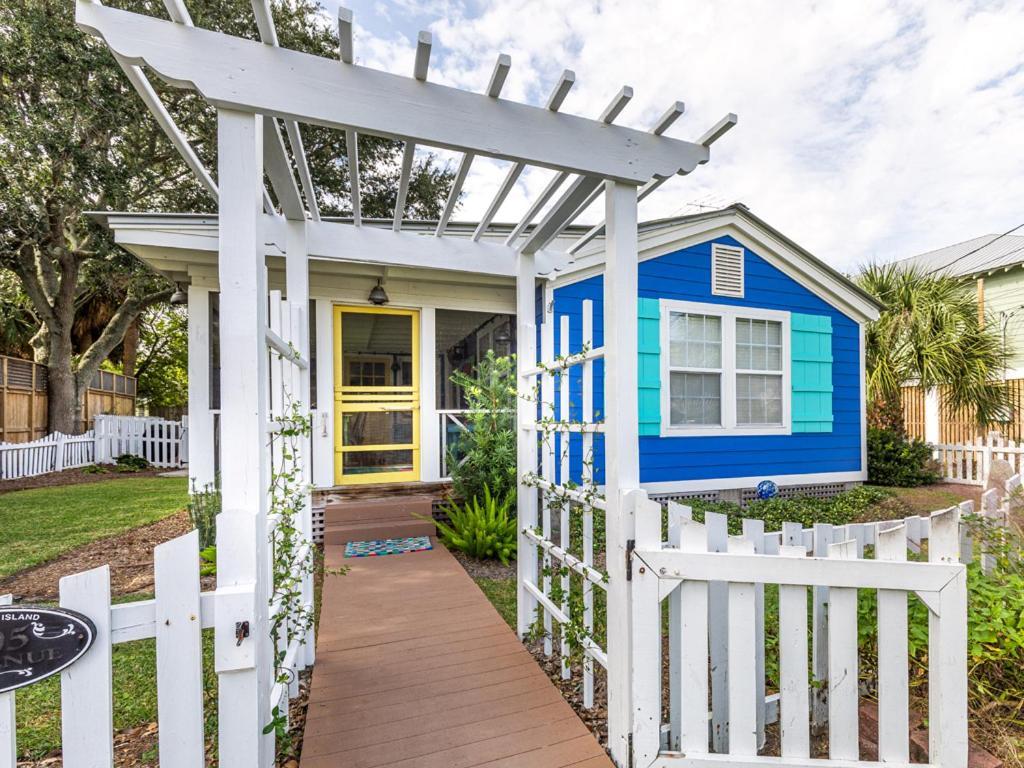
{"points": [[352, 148], [558, 95], [241, 74], [424, 42], [709, 137], [494, 86], [346, 50], [268, 34], [279, 171]]}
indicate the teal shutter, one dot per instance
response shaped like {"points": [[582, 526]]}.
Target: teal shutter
{"points": [[649, 365], [811, 339]]}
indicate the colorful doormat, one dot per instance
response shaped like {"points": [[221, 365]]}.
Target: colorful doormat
{"points": [[387, 546]]}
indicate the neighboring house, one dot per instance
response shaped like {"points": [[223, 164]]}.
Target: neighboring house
{"points": [[993, 266], [751, 352]]}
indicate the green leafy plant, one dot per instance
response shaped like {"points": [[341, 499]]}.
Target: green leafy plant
{"points": [[208, 561], [483, 530], [126, 462], [846, 507], [203, 508], [895, 460], [484, 457]]}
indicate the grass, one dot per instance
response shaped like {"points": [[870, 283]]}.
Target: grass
{"points": [[502, 594], [928, 498], [40, 524]]}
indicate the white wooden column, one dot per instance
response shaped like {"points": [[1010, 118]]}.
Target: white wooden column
{"points": [[323, 419], [526, 443], [297, 292], [430, 433], [622, 457], [200, 419], [245, 669]]}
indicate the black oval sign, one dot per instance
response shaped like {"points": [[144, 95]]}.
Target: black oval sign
{"points": [[38, 642]]}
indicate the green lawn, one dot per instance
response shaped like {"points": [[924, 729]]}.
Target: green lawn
{"points": [[502, 594], [39, 524]]}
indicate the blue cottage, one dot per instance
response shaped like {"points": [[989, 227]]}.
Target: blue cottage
{"points": [[750, 364]]}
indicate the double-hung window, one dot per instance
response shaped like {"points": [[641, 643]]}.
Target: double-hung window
{"points": [[726, 370]]}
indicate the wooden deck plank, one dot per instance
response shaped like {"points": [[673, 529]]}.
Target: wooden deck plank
{"points": [[416, 668]]}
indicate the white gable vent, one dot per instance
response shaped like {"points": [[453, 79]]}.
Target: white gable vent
{"points": [[726, 270]]}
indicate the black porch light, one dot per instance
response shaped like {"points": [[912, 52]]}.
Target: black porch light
{"points": [[378, 295], [180, 296]]}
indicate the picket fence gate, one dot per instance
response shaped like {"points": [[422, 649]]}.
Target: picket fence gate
{"points": [[720, 594], [161, 442], [175, 618], [969, 463], [53, 453]]}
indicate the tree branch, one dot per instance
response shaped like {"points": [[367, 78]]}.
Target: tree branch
{"points": [[112, 335]]}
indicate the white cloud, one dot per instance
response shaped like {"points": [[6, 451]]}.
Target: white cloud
{"points": [[870, 129]]}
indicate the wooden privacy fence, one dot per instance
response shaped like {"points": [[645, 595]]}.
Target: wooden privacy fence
{"points": [[969, 463], [23, 399], [175, 618], [950, 425], [52, 453]]}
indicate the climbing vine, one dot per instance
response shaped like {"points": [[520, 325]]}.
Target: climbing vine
{"points": [[292, 554], [550, 423]]}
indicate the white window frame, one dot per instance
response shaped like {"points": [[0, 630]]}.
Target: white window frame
{"points": [[728, 314]]}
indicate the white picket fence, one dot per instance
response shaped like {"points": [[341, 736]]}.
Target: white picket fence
{"points": [[52, 453], [716, 634], [161, 442], [969, 463], [175, 618]]}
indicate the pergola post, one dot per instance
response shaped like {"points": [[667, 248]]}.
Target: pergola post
{"points": [[244, 664], [430, 435], [297, 292], [622, 452], [526, 445], [200, 419]]}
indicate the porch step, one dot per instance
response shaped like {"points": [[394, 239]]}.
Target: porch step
{"points": [[371, 531], [377, 510]]}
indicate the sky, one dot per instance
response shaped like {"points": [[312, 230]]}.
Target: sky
{"points": [[868, 130]]}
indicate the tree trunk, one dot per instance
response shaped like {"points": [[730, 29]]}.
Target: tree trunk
{"points": [[63, 406], [130, 348]]}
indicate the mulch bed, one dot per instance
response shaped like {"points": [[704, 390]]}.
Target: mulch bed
{"points": [[72, 477], [484, 569], [129, 554]]}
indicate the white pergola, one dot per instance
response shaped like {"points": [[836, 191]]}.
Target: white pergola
{"points": [[258, 87]]}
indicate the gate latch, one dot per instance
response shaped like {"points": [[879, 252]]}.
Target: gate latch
{"points": [[241, 632], [630, 545]]}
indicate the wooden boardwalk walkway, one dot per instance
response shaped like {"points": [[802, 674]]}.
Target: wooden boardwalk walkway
{"points": [[415, 668]]}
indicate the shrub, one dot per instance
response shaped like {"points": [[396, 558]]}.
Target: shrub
{"points": [[485, 456], [203, 508], [841, 509], [126, 462], [895, 460], [208, 561], [484, 531]]}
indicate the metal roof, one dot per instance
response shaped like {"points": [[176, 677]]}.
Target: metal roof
{"points": [[976, 256]]}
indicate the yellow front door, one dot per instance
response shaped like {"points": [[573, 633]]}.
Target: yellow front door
{"points": [[376, 395]]}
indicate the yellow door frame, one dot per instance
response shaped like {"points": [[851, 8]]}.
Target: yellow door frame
{"points": [[375, 400]]}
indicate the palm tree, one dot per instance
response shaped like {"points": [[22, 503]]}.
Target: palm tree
{"points": [[929, 333]]}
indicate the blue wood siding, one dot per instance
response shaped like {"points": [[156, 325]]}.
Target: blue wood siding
{"points": [[685, 275]]}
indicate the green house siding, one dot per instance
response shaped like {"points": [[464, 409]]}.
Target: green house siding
{"points": [[649, 365], [1004, 292], [811, 339]]}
